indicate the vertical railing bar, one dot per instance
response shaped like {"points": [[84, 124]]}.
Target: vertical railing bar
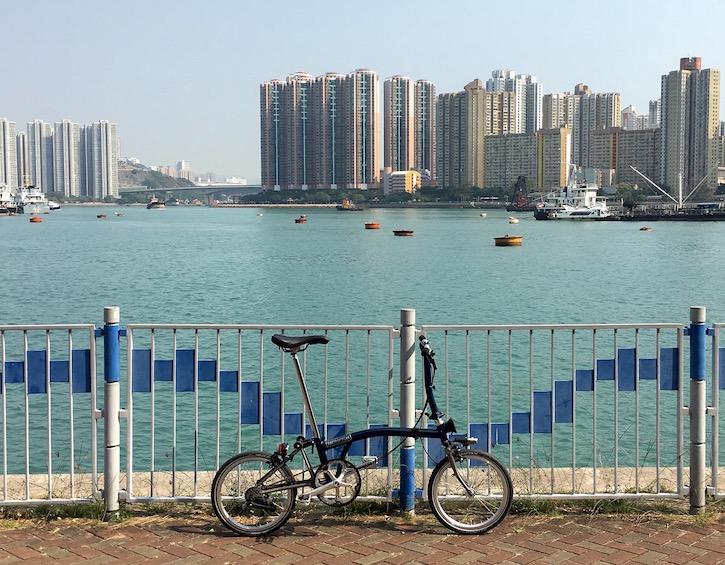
{"points": [[326, 382], [260, 402], [391, 377], [468, 378], [367, 405], [658, 414], [5, 416], [531, 412], [27, 415], [238, 418], [552, 486], [217, 380], [94, 421], [680, 416], [715, 448], [49, 411], [152, 421], [489, 387], [594, 411], [573, 411], [636, 410], [129, 417], [195, 384], [282, 395], [616, 412], [347, 383], [510, 398], [174, 376], [71, 427]]}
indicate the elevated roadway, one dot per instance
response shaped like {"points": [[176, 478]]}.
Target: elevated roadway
{"points": [[209, 192]]}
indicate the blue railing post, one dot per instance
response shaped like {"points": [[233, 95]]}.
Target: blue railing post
{"points": [[698, 409], [407, 409], [111, 410]]}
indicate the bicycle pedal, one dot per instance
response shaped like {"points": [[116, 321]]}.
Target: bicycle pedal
{"points": [[369, 462]]}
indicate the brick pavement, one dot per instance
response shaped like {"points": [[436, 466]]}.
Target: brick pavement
{"points": [[199, 538]]}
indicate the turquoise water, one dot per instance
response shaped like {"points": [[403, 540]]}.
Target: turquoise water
{"points": [[205, 265], [256, 266]]}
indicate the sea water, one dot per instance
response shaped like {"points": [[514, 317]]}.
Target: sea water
{"points": [[196, 265]]}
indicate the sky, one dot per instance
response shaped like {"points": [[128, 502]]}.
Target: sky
{"points": [[180, 78]]}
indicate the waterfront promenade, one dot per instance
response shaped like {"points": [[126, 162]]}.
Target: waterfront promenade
{"points": [[183, 538]]}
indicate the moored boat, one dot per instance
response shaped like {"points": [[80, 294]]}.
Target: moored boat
{"points": [[349, 206], [35, 219], [508, 240], [576, 201], [301, 220], [155, 204], [101, 216], [372, 226], [513, 220], [31, 200], [403, 232]]}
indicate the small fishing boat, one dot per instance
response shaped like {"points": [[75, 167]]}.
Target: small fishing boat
{"points": [[483, 214], [645, 228], [101, 216], [403, 232], [35, 219], [301, 220], [509, 240], [118, 213], [372, 226], [513, 220]]}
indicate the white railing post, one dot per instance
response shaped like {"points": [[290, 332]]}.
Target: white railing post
{"points": [[698, 409], [111, 410], [407, 409]]}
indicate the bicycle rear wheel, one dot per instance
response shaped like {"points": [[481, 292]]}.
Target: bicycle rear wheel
{"points": [[249, 495], [480, 507]]}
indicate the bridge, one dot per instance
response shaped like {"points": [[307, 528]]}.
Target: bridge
{"points": [[210, 192]]}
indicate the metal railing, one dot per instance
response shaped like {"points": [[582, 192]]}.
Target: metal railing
{"points": [[49, 414], [574, 411]]}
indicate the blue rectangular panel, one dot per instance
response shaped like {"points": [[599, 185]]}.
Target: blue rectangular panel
{"points": [[228, 381], [648, 369], [141, 370], [670, 359], [293, 424], [58, 371], [333, 431], [379, 447], [542, 412], [14, 371], [320, 430], [500, 434], [563, 402], [81, 370], [721, 370], [585, 380], [250, 403], [626, 359], [357, 448], [163, 370], [480, 432], [207, 370], [521, 422], [605, 369], [36, 372], [185, 359], [271, 413]]}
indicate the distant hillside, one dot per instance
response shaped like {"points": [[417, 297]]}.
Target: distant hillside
{"points": [[138, 175]]}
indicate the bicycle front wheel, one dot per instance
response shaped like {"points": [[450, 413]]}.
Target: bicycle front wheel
{"points": [[252, 497], [472, 498]]}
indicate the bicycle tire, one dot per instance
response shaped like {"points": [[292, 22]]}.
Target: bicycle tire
{"points": [[241, 509], [460, 511]]}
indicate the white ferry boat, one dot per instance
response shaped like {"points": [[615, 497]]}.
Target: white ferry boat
{"points": [[576, 201], [7, 200], [31, 200]]}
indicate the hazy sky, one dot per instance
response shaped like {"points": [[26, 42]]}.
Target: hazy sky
{"points": [[180, 78]]}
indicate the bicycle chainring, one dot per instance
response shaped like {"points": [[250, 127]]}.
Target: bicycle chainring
{"points": [[349, 482]]}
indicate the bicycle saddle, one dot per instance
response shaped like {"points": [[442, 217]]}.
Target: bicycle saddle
{"points": [[294, 342]]}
